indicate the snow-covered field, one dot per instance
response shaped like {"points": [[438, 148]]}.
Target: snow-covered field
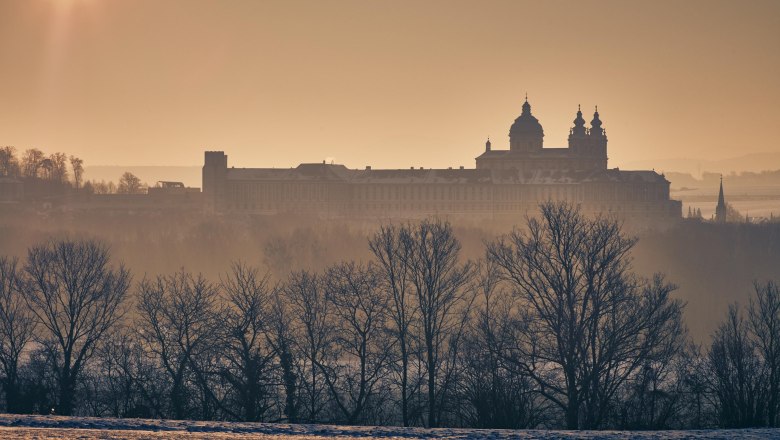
{"points": [[71, 428]]}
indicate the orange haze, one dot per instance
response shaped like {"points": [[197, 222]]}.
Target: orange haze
{"points": [[388, 84]]}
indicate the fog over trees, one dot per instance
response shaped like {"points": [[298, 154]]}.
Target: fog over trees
{"points": [[548, 325], [585, 324]]}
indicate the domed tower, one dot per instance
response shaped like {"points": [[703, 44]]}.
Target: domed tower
{"points": [[578, 135], [526, 133], [595, 125], [598, 140]]}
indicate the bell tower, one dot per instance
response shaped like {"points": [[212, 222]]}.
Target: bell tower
{"points": [[578, 135], [597, 137]]}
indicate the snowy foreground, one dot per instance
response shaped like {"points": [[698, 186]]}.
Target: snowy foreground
{"points": [[51, 427]]}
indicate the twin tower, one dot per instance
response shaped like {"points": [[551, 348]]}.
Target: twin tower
{"points": [[587, 149]]}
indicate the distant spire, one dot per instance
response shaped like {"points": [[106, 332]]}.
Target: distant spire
{"points": [[487, 144], [720, 210]]}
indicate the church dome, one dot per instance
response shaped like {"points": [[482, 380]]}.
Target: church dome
{"points": [[526, 129], [526, 123]]}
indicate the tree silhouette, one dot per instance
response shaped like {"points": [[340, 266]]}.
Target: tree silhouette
{"points": [[76, 297]]}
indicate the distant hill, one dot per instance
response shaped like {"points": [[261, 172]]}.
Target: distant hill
{"points": [[754, 162], [150, 174]]}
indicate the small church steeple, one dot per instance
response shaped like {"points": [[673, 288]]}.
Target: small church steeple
{"points": [[720, 210], [487, 144]]}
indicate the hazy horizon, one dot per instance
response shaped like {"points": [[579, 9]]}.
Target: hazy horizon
{"points": [[752, 162], [391, 85], [433, 280]]}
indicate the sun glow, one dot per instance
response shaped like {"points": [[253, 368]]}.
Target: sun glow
{"points": [[59, 29]]}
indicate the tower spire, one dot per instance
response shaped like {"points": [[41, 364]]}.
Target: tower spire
{"points": [[595, 124], [720, 210]]}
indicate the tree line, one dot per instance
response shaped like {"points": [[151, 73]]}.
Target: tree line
{"points": [[36, 167], [35, 164], [550, 328]]}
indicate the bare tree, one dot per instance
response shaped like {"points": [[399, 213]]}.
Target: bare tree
{"points": [[9, 163], [392, 250], [737, 375], [129, 183], [764, 317], [178, 319], [58, 167], [282, 341], [661, 395], [585, 323], [313, 335], [77, 165], [494, 396], [101, 187], [45, 169], [17, 325], [76, 297], [439, 284], [31, 162], [360, 351], [118, 372], [249, 354]]}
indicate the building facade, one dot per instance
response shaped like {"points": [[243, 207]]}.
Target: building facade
{"points": [[505, 184]]}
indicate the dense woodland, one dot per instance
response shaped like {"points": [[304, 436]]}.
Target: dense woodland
{"points": [[550, 325]]}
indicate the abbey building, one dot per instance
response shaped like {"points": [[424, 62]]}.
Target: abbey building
{"points": [[504, 185]]}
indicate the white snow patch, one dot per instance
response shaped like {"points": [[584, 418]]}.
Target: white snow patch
{"points": [[33, 427]]}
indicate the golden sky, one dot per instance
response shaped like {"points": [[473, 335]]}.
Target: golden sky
{"points": [[383, 83]]}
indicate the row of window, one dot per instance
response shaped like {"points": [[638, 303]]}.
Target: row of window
{"points": [[254, 193], [389, 208]]}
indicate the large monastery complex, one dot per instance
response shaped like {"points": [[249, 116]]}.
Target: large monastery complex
{"points": [[505, 184]]}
